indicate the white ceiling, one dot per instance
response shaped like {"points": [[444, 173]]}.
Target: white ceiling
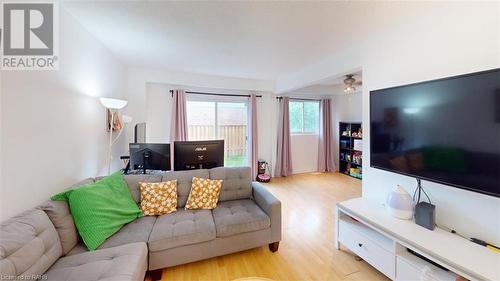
{"points": [[330, 86], [339, 80], [260, 40]]}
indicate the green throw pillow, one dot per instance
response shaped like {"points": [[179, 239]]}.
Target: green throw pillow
{"points": [[100, 209]]}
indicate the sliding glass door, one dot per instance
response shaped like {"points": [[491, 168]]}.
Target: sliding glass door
{"points": [[227, 120]]}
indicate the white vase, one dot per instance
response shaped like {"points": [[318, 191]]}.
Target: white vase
{"points": [[399, 204]]}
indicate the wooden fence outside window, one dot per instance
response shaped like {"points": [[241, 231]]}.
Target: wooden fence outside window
{"points": [[234, 137]]}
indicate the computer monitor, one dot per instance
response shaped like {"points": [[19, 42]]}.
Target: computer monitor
{"points": [[190, 155], [149, 156]]}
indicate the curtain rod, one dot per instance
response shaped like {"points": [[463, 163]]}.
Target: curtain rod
{"points": [[279, 98], [216, 94]]}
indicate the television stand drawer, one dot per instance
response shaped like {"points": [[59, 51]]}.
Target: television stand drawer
{"points": [[373, 248]]}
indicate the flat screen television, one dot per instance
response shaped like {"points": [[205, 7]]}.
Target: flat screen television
{"points": [[190, 155], [445, 131]]}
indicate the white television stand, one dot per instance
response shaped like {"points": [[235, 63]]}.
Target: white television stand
{"points": [[365, 228]]}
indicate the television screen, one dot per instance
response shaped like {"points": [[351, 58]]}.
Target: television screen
{"points": [[445, 131]]}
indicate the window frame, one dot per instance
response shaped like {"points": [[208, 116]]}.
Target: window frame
{"points": [[303, 132], [222, 99]]}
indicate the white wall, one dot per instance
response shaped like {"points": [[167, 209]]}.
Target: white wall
{"points": [[138, 79], [304, 149], [267, 113], [148, 91], [52, 124], [151, 103], [435, 40], [159, 113]]}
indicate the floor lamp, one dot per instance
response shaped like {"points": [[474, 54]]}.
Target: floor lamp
{"points": [[113, 105]]}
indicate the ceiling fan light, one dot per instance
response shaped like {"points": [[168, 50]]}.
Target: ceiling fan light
{"points": [[349, 89], [348, 82]]}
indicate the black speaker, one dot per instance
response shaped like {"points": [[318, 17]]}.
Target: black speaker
{"points": [[425, 215]]}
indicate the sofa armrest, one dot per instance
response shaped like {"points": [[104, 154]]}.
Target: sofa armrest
{"points": [[271, 206]]}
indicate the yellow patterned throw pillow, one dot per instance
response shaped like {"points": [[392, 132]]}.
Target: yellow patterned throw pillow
{"points": [[204, 194], [158, 198]]}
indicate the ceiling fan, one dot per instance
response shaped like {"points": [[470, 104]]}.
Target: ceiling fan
{"points": [[350, 84]]}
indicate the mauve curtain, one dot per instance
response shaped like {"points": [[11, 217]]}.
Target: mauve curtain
{"points": [[178, 128], [326, 162], [253, 135], [283, 155]]}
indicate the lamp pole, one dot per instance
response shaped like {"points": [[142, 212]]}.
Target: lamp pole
{"points": [[110, 140]]}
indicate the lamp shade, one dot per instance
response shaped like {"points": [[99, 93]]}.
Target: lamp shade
{"points": [[110, 103]]}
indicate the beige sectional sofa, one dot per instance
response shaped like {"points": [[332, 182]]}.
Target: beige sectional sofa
{"points": [[44, 243]]}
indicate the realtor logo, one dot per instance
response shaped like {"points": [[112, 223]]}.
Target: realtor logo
{"points": [[29, 36]]}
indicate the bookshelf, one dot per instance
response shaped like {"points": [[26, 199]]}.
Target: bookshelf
{"points": [[350, 149]]}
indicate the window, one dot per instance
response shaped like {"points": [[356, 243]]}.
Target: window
{"points": [[227, 120], [304, 117]]}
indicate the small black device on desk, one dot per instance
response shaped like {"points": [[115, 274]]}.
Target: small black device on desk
{"points": [[149, 156]]}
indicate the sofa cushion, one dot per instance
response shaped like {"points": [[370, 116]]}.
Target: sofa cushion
{"points": [[237, 182], [29, 245], [135, 231], [184, 182], [239, 216], [183, 227], [133, 184], [126, 262], [78, 249], [60, 215]]}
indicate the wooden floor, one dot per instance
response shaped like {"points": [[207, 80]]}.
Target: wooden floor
{"points": [[306, 251]]}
